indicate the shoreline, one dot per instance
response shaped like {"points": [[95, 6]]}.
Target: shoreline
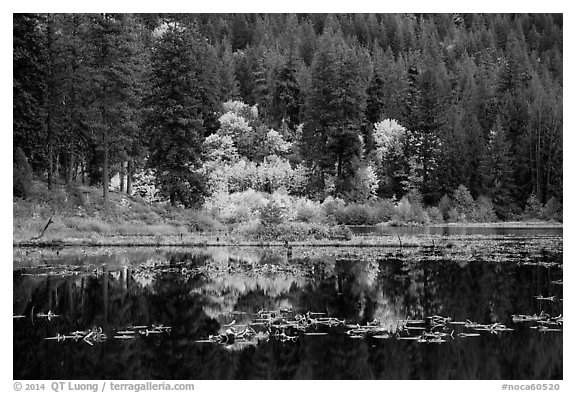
{"points": [[497, 224], [219, 239], [503, 224]]}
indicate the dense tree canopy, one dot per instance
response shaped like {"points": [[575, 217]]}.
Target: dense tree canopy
{"points": [[478, 99]]}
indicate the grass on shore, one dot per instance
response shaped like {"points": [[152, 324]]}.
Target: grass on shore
{"points": [[80, 213], [79, 217]]}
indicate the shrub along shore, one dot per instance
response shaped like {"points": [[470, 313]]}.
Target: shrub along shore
{"points": [[77, 216]]}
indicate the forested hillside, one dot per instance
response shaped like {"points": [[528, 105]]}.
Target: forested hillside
{"points": [[199, 108]]}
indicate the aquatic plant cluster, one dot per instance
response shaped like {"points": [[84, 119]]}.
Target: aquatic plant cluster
{"points": [[435, 329], [61, 271], [544, 322], [90, 336], [96, 334], [278, 325]]}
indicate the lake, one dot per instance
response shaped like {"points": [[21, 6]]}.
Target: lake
{"points": [[457, 230], [486, 306]]}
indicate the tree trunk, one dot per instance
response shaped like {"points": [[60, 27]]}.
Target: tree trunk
{"points": [[83, 167], [129, 177], [426, 153], [539, 192], [105, 295], [76, 170], [50, 106], [50, 157], [122, 175], [551, 146], [57, 164], [321, 181], [70, 170], [105, 173], [339, 181]]}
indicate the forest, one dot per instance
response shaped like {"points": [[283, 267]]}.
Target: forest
{"points": [[453, 116]]}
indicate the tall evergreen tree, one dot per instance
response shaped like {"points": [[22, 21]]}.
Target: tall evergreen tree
{"points": [[497, 170], [241, 32], [286, 95], [307, 43], [377, 92], [175, 121], [245, 63], [29, 88], [335, 112], [73, 77], [229, 87], [425, 116], [112, 72], [545, 136], [261, 89]]}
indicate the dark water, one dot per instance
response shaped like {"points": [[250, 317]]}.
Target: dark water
{"points": [[196, 291]]}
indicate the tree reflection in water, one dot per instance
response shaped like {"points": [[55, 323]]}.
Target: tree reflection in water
{"points": [[197, 292]]}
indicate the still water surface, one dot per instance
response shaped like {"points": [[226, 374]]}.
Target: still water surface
{"points": [[195, 292], [458, 231]]}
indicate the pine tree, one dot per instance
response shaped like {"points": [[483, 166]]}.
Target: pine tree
{"points": [[51, 97], [72, 76], [307, 43], [335, 112], [454, 162], [112, 71], [230, 89], [515, 71], [261, 89], [545, 135], [286, 95], [497, 171], [207, 84], [377, 94], [175, 121], [29, 88], [241, 32], [467, 137], [425, 115], [245, 64]]}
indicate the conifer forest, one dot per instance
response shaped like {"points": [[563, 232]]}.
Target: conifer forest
{"points": [[352, 106]]}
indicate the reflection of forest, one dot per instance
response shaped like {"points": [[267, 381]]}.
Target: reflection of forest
{"points": [[157, 290]]}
